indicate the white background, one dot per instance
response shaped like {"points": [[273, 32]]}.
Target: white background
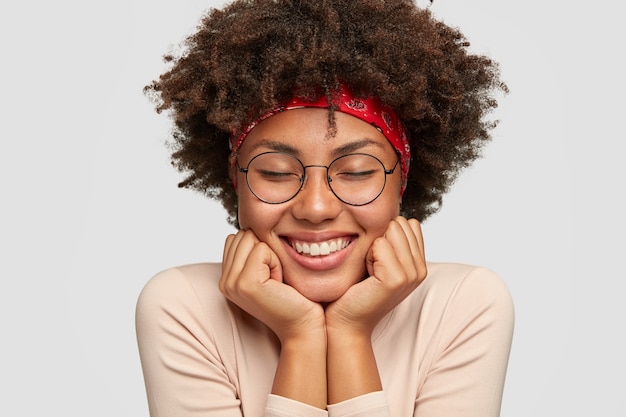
{"points": [[90, 209]]}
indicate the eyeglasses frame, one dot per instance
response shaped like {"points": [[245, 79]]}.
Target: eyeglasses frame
{"points": [[328, 178]]}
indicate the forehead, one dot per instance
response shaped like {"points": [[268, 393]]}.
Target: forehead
{"points": [[308, 131]]}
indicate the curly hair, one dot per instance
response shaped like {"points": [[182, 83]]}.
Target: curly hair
{"points": [[248, 57]]}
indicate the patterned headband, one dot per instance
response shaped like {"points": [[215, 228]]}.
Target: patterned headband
{"points": [[370, 110]]}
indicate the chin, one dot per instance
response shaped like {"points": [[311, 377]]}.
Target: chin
{"points": [[320, 290], [322, 297], [323, 286]]}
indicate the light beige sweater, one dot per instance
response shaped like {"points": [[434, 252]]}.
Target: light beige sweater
{"points": [[442, 352]]}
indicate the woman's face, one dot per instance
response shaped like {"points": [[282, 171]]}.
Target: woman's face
{"points": [[315, 216]]}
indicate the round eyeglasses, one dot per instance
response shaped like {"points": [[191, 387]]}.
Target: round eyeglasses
{"points": [[356, 179]]}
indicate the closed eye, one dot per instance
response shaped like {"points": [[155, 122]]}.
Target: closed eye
{"points": [[278, 176], [355, 175]]}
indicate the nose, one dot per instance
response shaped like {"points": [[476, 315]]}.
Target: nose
{"points": [[316, 202]]}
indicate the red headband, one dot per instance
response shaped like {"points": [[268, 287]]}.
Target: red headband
{"points": [[370, 110]]}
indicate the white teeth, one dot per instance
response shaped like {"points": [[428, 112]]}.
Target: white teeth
{"points": [[324, 249], [320, 249]]}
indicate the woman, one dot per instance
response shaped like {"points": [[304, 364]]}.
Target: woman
{"points": [[343, 123]]}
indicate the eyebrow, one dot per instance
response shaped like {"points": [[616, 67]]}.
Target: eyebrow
{"points": [[347, 148], [355, 146], [276, 146]]}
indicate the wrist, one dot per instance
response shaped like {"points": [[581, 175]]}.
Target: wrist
{"points": [[309, 328], [311, 341], [354, 332], [348, 340]]}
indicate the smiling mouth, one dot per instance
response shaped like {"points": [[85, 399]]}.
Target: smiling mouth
{"points": [[320, 248]]}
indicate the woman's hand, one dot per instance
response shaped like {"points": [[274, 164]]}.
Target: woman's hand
{"points": [[396, 265], [252, 278]]}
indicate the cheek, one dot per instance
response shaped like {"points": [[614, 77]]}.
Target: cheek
{"points": [[245, 210], [390, 200], [254, 214], [375, 217]]}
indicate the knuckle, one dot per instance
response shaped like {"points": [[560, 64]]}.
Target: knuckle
{"points": [[224, 287], [413, 222], [422, 272]]}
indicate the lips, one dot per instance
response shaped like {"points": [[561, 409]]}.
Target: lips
{"points": [[319, 248]]}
